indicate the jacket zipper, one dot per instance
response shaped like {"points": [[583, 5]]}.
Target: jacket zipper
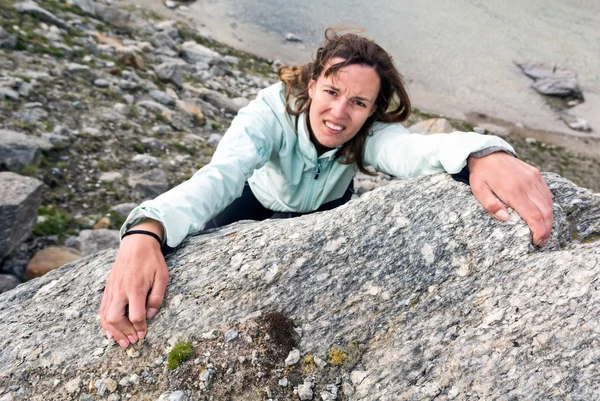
{"points": [[318, 172]]}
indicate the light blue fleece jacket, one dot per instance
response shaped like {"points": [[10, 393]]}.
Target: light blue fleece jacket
{"points": [[285, 174]]}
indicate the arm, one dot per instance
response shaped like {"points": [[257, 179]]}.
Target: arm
{"points": [[496, 178], [139, 275]]}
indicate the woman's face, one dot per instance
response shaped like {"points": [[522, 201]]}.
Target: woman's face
{"points": [[341, 103]]}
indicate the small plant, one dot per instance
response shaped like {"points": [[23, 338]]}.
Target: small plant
{"points": [[215, 125], [179, 354], [185, 149], [139, 148], [56, 222], [29, 170]]}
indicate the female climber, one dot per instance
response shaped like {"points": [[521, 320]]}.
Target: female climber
{"points": [[294, 150]]}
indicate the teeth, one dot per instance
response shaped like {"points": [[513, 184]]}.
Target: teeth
{"points": [[335, 127]]}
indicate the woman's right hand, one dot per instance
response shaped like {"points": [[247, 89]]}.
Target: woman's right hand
{"points": [[135, 287]]}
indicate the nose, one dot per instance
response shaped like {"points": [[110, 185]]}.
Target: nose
{"points": [[339, 108]]}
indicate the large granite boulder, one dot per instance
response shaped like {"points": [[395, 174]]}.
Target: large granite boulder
{"points": [[19, 202], [411, 292]]}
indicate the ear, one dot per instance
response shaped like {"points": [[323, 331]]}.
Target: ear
{"points": [[312, 84]]}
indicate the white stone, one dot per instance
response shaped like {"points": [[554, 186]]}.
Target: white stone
{"points": [[293, 357]]}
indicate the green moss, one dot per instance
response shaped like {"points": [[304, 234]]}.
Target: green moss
{"points": [[215, 125], [29, 170], [139, 148], [56, 223], [185, 149], [179, 354]]}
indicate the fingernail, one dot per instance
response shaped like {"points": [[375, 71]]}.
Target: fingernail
{"points": [[123, 343], [141, 335], [108, 334], [132, 339], [502, 215], [151, 312]]}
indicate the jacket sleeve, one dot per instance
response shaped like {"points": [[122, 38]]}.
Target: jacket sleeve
{"points": [[253, 136], [395, 151]]}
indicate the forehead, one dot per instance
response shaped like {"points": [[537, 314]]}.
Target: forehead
{"points": [[353, 80]]}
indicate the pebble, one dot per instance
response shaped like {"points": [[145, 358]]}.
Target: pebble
{"points": [[215, 139], [114, 397], [207, 377], [231, 335], [124, 382], [78, 68], [290, 37], [158, 362], [111, 385], [100, 387], [347, 389], [305, 392], [327, 396], [293, 357], [134, 379], [133, 353], [283, 382], [170, 4], [479, 130], [7, 93], [72, 386], [7, 397], [146, 160], [102, 83], [319, 362], [211, 334]]}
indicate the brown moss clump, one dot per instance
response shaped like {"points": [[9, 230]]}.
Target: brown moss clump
{"points": [[281, 331]]}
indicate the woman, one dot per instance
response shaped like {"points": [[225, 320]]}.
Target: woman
{"points": [[295, 149]]}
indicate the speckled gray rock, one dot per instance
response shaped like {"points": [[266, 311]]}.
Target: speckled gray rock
{"points": [[92, 241], [31, 8], [170, 71], [8, 282], [19, 201], [193, 52], [445, 300], [18, 150], [150, 184]]}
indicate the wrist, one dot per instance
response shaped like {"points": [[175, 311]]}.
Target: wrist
{"points": [[154, 226]]}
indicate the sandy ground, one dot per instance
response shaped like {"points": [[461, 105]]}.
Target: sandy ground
{"points": [[457, 57]]}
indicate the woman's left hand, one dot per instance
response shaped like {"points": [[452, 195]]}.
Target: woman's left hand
{"points": [[500, 179]]}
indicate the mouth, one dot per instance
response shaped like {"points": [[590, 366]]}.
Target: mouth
{"points": [[333, 127]]}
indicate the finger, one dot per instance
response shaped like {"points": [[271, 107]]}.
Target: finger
{"points": [[544, 205], [157, 293], [489, 200], [137, 313], [118, 324], [533, 216]]}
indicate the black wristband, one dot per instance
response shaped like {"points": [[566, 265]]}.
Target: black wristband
{"points": [[150, 233]]}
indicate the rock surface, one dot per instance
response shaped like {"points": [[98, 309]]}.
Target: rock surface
{"points": [[18, 209], [431, 298]]}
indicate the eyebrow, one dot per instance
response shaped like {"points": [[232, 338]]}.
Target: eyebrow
{"points": [[364, 99]]}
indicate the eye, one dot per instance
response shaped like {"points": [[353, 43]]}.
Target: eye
{"points": [[359, 103], [331, 92]]}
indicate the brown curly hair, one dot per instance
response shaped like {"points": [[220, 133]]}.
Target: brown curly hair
{"points": [[392, 104]]}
